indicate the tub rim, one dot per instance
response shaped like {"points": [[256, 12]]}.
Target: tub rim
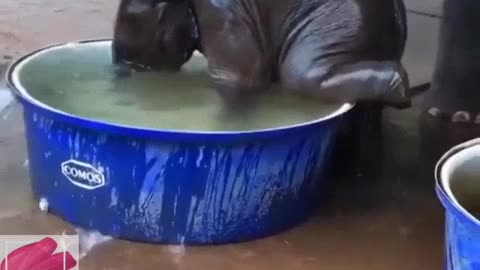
{"points": [[444, 167], [21, 94]]}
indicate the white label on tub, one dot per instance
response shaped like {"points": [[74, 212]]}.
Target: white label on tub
{"points": [[83, 174]]}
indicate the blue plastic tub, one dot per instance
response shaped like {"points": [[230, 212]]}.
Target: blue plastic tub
{"points": [[170, 186], [458, 187]]}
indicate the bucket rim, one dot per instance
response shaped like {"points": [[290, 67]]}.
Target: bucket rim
{"points": [[444, 193], [21, 93]]}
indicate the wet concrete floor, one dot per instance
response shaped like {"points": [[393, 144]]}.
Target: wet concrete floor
{"points": [[381, 213]]}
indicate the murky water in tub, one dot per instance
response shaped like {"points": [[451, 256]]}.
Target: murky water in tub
{"points": [[89, 87]]}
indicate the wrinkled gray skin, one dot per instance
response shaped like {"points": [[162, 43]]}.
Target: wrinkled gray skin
{"points": [[454, 94], [339, 50]]}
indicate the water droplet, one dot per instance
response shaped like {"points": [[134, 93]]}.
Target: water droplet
{"points": [[43, 204]]}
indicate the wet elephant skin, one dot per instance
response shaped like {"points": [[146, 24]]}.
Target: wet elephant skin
{"points": [[341, 50]]}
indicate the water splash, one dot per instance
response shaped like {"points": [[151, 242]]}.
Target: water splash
{"points": [[43, 204], [89, 240], [177, 252], [7, 110]]}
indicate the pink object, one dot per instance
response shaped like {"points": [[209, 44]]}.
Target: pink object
{"points": [[38, 256]]}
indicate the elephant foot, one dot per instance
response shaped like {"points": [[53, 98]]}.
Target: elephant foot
{"points": [[457, 105], [458, 116]]}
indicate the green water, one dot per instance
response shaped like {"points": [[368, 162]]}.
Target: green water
{"points": [[86, 86]]}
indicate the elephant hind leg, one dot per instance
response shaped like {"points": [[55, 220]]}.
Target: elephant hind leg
{"points": [[364, 81], [240, 84], [240, 66]]}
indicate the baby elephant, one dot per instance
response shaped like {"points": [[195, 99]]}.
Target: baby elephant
{"points": [[338, 50]]}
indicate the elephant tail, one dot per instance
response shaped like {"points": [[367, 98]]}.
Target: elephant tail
{"points": [[401, 26], [418, 89]]}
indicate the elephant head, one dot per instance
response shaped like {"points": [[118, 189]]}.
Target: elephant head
{"points": [[155, 34]]}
